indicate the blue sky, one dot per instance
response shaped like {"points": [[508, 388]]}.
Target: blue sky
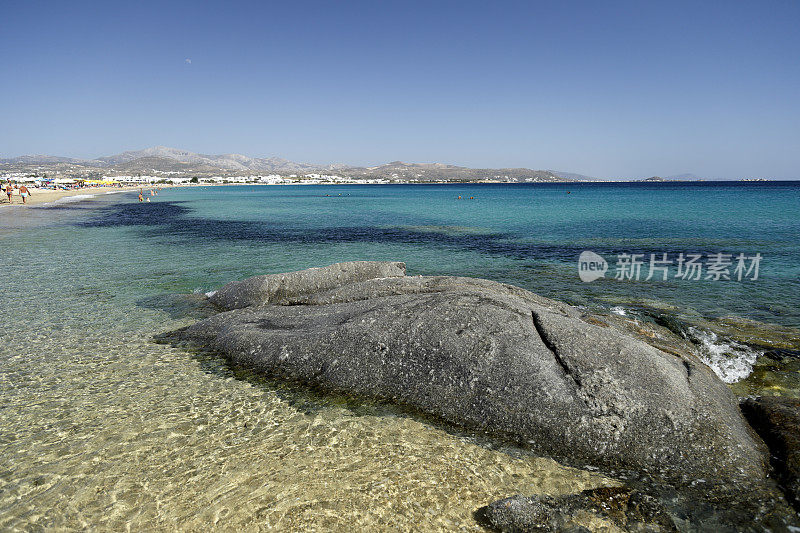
{"points": [[605, 88]]}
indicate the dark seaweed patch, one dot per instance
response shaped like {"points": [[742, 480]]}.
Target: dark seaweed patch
{"points": [[172, 218]]}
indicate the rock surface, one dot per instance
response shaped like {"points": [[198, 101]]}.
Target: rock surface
{"points": [[777, 420], [604, 508], [494, 357], [261, 290]]}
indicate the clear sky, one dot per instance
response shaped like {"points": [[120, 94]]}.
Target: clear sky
{"points": [[604, 88]]}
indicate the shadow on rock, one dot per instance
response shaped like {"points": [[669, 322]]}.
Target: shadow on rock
{"points": [[777, 421]]}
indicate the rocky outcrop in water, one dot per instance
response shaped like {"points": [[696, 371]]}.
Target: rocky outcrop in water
{"points": [[493, 357]]}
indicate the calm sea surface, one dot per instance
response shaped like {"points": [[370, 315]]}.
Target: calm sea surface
{"points": [[101, 427]]}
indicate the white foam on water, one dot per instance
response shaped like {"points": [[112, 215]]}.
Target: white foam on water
{"points": [[619, 310], [730, 360], [208, 294], [69, 199]]}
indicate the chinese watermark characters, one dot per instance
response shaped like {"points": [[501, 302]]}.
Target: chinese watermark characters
{"points": [[664, 266]]}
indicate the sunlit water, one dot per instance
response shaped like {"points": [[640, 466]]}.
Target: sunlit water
{"points": [[100, 427]]}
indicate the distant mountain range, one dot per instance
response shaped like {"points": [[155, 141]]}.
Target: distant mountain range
{"points": [[161, 159]]}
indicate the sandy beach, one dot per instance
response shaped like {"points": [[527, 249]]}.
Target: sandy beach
{"points": [[46, 196]]}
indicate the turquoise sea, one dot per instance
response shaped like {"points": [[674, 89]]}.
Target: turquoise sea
{"points": [[529, 235], [100, 426]]}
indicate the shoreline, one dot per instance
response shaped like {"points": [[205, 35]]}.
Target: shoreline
{"points": [[44, 196], [40, 197]]}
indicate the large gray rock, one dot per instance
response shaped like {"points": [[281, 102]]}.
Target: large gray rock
{"points": [[497, 358]]}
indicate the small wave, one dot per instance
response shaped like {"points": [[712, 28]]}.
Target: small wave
{"points": [[619, 310], [730, 360], [206, 294], [70, 199]]}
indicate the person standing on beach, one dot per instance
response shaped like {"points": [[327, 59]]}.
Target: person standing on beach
{"points": [[9, 191], [23, 193]]}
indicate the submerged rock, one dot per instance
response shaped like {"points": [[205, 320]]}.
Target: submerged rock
{"points": [[754, 333], [607, 508], [781, 355], [771, 376], [494, 357]]}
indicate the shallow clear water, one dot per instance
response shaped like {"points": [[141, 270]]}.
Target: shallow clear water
{"points": [[101, 427]]}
